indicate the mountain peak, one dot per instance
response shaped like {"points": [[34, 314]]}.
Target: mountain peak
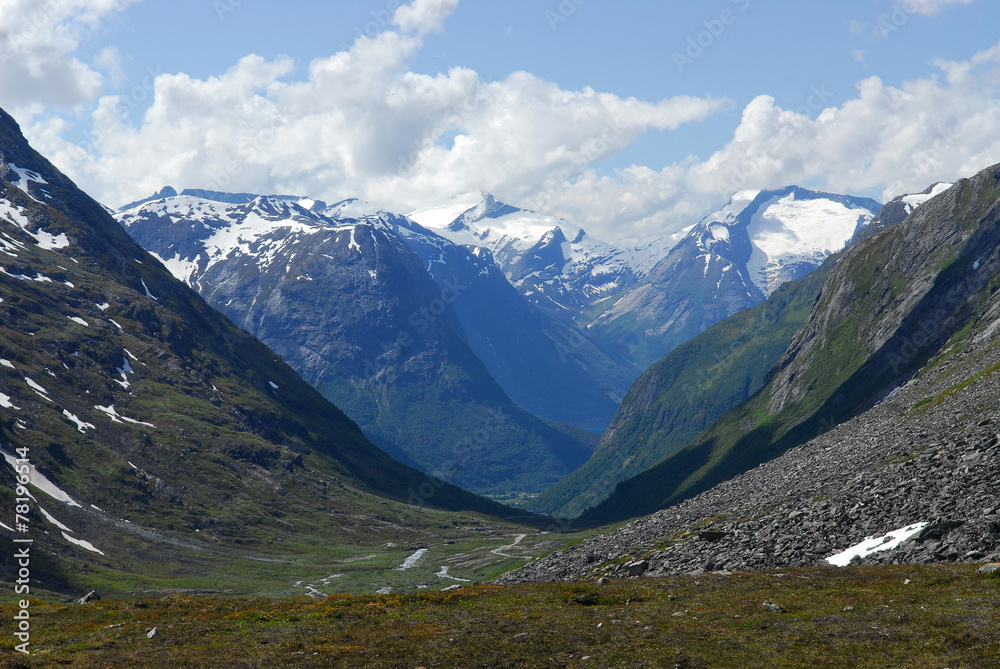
{"points": [[165, 192]]}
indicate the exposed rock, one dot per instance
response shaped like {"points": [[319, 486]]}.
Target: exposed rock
{"points": [[637, 568], [992, 569], [91, 596], [893, 466]]}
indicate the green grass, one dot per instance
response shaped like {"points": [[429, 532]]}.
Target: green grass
{"points": [[938, 399], [835, 618]]}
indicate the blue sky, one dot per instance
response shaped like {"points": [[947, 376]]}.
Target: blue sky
{"points": [[619, 118]]}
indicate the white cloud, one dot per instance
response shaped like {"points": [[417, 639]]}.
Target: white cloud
{"points": [[363, 124], [109, 60], [930, 7], [887, 140], [37, 42], [424, 16]]}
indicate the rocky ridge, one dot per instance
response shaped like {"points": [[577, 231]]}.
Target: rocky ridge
{"points": [[928, 454]]}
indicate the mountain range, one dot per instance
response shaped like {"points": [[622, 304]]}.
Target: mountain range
{"points": [[798, 335], [485, 284], [873, 438], [150, 425], [730, 261], [697, 383], [354, 310]]}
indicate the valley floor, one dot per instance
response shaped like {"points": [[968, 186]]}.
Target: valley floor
{"points": [[912, 616]]}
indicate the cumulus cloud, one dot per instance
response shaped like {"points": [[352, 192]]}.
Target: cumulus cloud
{"points": [[930, 7], [887, 140], [424, 16], [37, 42], [363, 124]]}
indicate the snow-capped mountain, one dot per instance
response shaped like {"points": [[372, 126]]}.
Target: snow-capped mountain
{"points": [[353, 309], [551, 261], [790, 231], [731, 260], [543, 364]]}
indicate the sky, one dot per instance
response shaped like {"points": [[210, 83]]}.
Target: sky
{"points": [[630, 118]]}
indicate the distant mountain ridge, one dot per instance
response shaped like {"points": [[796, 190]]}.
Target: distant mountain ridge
{"points": [[728, 262], [551, 261], [353, 308]]}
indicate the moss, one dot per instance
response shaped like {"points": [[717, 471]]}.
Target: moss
{"points": [[868, 617]]}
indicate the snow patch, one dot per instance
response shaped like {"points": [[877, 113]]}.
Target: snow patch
{"points": [[786, 230], [26, 176], [78, 320], [40, 278], [412, 560], [39, 481], [42, 238], [118, 418], [148, 294], [5, 403], [49, 517], [914, 200], [34, 386], [871, 545], [86, 545], [81, 426], [181, 268]]}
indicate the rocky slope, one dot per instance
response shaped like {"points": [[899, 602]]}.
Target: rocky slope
{"points": [[683, 394], [896, 370], [699, 381], [352, 308], [926, 459]]}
